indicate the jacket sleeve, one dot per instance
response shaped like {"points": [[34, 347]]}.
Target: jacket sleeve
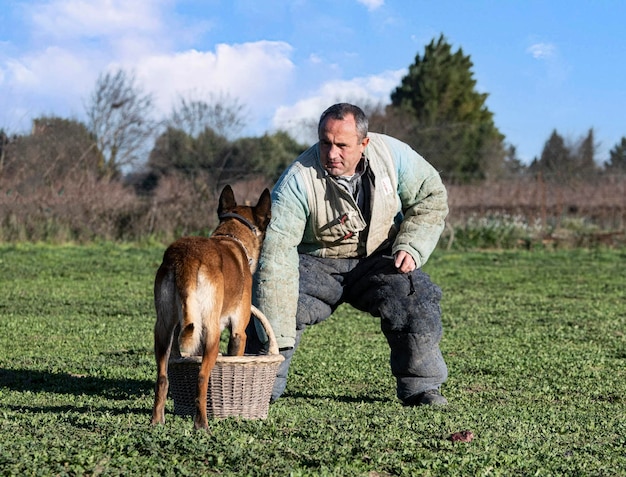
{"points": [[276, 285], [424, 204]]}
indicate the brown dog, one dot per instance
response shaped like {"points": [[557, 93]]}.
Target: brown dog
{"points": [[203, 286]]}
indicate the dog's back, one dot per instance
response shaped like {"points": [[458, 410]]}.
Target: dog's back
{"points": [[201, 284]]}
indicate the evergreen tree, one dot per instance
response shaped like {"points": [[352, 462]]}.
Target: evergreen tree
{"points": [[443, 117], [617, 159], [586, 157], [513, 166], [556, 162]]}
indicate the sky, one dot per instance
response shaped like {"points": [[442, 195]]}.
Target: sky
{"points": [[545, 64]]}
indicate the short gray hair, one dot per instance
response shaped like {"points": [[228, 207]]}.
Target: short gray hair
{"points": [[340, 111]]}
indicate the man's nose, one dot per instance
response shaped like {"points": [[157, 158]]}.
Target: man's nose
{"points": [[333, 152]]}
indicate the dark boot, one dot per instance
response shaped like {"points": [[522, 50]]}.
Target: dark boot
{"points": [[432, 397]]}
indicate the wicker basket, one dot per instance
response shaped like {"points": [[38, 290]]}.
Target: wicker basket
{"points": [[239, 386]]}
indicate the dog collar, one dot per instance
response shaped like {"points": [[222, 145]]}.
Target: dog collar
{"points": [[240, 218]]}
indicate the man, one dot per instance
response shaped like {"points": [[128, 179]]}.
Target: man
{"points": [[354, 218]]}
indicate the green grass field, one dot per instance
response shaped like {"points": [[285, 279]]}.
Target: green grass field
{"points": [[535, 343]]}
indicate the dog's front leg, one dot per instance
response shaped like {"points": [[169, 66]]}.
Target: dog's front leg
{"points": [[238, 337], [236, 343]]}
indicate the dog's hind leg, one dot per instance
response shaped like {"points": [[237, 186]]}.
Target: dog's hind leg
{"points": [[209, 357], [162, 348], [166, 305]]}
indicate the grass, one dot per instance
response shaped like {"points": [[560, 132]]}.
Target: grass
{"points": [[534, 342]]}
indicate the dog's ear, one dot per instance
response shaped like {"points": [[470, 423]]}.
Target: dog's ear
{"points": [[227, 200], [263, 209]]}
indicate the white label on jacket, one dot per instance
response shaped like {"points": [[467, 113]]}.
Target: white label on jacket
{"points": [[386, 184]]}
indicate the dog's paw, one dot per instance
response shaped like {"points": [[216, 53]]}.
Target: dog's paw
{"points": [[198, 425]]}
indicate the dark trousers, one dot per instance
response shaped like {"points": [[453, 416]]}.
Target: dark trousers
{"points": [[409, 311]]}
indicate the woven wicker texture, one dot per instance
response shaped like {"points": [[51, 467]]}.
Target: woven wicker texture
{"points": [[239, 386]]}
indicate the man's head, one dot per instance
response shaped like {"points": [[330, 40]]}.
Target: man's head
{"points": [[343, 137]]}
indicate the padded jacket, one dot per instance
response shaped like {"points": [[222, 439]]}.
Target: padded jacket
{"points": [[313, 214]]}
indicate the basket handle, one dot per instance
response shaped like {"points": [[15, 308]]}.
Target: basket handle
{"points": [[273, 345]]}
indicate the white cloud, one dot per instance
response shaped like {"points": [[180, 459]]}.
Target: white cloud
{"points": [[555, 70], [542, 51], [121, 29], [91, 18], [51, 70], [256, 74], [372, 4], [315, 58], [73, 41], [70, 43], [50, 81], [300, 119]]}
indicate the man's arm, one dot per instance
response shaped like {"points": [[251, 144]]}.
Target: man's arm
{"points": [[277, 276], [424, 205]]}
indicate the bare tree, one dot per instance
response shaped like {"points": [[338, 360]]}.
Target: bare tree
{"points": [[221, 113], [120, 117]]}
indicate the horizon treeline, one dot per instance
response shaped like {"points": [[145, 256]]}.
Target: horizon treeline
{"points": [[125, 174]]}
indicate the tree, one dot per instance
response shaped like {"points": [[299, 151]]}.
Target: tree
{"points": [[267, 155], [216, 160], [175, 151], [56, 150], [119, 115], [196, 144], [586, 163], [513, 166], [221, 113], [556, 162], [617, 158], [563, 160], [437, 110]]}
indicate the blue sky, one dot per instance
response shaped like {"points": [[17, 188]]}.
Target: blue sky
{"points": [[545, 64]]}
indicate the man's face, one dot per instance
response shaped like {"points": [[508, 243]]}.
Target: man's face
{"points": [[340, 147]]}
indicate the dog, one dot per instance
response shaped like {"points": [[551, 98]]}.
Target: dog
{"points": [[204, 285]]}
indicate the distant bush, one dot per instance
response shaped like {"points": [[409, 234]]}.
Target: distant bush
{"points": [[89, 210], [523, 213], [529, 213]]}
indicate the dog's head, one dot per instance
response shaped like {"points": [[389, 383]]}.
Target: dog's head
{"points": [[255, 218]]}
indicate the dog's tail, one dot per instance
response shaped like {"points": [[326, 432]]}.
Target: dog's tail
{"points": [[191, 330], [195, 306]]}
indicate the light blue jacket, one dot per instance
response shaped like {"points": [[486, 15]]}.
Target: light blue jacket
{"points": [[313, 214]]}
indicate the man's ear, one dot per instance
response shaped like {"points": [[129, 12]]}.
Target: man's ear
{"points": [[365, 142]]}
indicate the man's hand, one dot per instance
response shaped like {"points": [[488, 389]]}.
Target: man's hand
{"points": [[404, 262]]}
